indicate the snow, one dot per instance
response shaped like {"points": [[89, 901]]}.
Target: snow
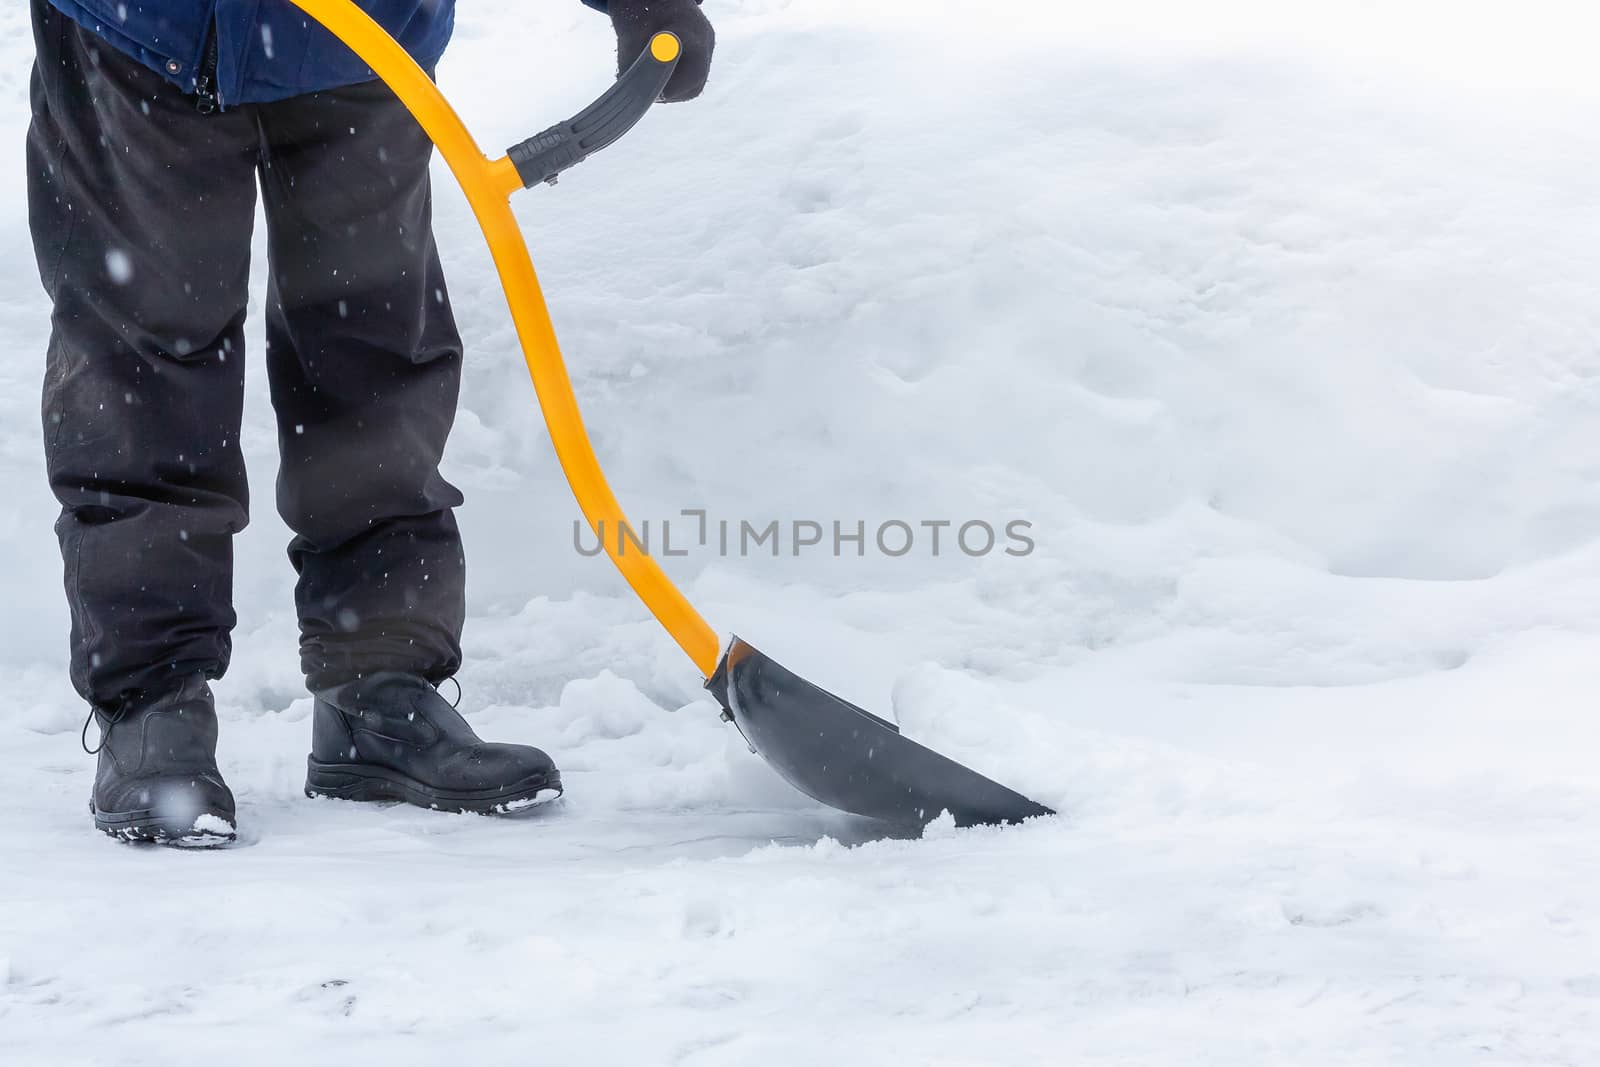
{"points": [[543, 796], [210, 824], [1277, 326]]}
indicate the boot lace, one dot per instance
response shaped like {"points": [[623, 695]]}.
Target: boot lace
{"points": [[111, 721], [456, 703]]}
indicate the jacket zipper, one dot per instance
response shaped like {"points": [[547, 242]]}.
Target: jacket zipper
{"points": [[205, 81]]}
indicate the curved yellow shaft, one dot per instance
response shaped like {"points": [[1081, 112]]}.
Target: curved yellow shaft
{"points": [[489, 185]]}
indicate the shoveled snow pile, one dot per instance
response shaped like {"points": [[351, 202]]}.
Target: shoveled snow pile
{"points": [[1277, 331]]}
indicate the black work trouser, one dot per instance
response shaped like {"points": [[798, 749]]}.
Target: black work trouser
{"points": [[142, 210]]}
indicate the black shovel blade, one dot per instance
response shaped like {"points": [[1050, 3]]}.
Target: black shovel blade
{"points": [[848, 758]]}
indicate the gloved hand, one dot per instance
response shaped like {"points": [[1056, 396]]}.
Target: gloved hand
{"points": [[636, 21]]}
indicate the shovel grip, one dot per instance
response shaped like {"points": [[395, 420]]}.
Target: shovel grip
{"points": [[546, 154]]}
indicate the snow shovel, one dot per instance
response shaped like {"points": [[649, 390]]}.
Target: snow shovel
{"points": [[827, 748]]}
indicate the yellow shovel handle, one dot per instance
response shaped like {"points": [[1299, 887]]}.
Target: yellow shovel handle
{"points": [[489, 184]]}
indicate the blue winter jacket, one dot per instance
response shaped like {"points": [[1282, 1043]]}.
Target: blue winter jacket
{"points": [[254, 51]]}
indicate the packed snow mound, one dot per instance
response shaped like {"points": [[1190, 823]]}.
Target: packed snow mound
{"points": [[1274, 327]]}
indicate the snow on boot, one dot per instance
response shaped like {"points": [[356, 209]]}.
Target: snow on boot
{"points": [[391, 736], [157, 779]]}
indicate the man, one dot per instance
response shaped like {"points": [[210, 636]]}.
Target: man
{"points": [[152, 124]]}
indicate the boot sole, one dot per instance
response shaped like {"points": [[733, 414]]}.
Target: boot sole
{"points": [[208, 830], [362, 782]]}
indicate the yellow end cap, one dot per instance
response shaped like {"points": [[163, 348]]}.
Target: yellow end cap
{"points": [[664, 47]]}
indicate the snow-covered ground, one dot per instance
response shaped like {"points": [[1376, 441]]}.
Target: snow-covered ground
{"points": [[1277, 322]]}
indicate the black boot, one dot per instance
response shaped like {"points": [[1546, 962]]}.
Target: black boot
{"points": [[391, 736], [157, 780]]}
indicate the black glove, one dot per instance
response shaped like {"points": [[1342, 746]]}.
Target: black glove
{"points": [[636, 21]]}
